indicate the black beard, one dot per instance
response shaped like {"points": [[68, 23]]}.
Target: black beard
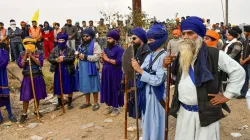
{"points": [[86, 42], [136, 45], [69, 25], [110, 44]]}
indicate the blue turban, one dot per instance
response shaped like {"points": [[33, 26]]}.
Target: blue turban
{"points": [[90, 32], [114, 34], [62, 35], [195, 24], [139, 32], [159, 33]]}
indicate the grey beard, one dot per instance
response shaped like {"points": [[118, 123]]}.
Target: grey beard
{"points": [[189, 50]]}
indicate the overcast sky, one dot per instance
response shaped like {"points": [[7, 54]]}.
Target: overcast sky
{"points": [[78, 10]]}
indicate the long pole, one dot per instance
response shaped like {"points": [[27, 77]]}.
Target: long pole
{"points": [[61, 87], [167, 99], [33, 91], [136, 101], [226, 12], [126, 108]]}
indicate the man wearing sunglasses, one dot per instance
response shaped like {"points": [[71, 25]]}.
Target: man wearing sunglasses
{"points": [[197, 98], [141, 50], [89, 54], [15, 35]]}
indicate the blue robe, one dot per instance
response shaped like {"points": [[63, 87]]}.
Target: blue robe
{"points": [[87, 83], [68, 81], [153, 120], [4, 90], [112, 77]]}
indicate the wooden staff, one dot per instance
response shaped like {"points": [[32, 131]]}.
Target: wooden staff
{"points": [[33, 90], [136, 101], [167, 99], [126, 108], [61, 87]]}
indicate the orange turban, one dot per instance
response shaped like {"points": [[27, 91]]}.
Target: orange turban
{"points": [[203, 19], [215, 35], [177, 32], [54, 24], [177, 19]]}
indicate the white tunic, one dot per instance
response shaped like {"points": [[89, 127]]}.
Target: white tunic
{"points": [[188, 123]]}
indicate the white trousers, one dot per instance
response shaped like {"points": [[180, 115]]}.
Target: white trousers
{"points": [[188, 127]]}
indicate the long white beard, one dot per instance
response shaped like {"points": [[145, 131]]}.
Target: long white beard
{"points": [[188, 51]]}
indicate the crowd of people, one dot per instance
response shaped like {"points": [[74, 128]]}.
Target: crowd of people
{"points": [[210, 66]]}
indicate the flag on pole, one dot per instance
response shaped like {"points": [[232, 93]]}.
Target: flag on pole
{"points": [[36, 16]]}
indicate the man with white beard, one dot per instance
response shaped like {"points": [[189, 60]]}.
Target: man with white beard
{"points": [[197, 100]]}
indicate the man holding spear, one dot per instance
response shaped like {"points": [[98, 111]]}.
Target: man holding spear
{"points": [[33, 84]]}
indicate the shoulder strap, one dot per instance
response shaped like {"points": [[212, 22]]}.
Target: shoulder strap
{"points": [[150, 66]]}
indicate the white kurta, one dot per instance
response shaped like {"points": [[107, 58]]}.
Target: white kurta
{"points": [[188, 123]]}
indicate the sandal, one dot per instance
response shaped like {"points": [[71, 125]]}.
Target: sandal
{"points": [[40, 114], [95, 107], [12, 119], [23, 119], [85, 106]]}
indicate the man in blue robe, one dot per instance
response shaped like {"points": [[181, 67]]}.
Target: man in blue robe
{"points": [[4, 89]]}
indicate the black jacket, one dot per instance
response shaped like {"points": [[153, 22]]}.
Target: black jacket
{"points": [[246, 50], [68, 60], [141, 53]]}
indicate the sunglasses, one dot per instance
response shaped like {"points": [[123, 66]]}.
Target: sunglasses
{"points": [[134, 38], [86, 36]]}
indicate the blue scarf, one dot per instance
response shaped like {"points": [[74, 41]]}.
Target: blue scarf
{"points": [[203, 74], [92, 70]]}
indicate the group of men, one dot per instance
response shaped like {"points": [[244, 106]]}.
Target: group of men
{"points": [[205, 76]]}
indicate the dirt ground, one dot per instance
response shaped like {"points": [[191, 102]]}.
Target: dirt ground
{"points": [[85, 124]]}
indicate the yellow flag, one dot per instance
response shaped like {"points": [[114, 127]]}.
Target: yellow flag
{"points": [[36, 16]]}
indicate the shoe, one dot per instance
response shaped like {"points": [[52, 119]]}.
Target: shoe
{"points": [[132, 129], [85, 106], [240, 97], [70, 107], [23, 119], [1, 119], [40, 114], [95, 107], [115, 113], [108, 110], [58, 106], [13, 119]]}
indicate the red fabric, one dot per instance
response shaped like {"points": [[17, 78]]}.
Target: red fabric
{"points": [[48, 46], [48, 34]]}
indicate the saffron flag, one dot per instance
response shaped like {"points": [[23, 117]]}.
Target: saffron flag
{"points": [[36, 16]]}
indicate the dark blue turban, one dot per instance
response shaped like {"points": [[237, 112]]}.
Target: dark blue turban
{"points": [[62, 35], [159, 33], [139, 32], [195, 24], [90, 32], [114, 34]]}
